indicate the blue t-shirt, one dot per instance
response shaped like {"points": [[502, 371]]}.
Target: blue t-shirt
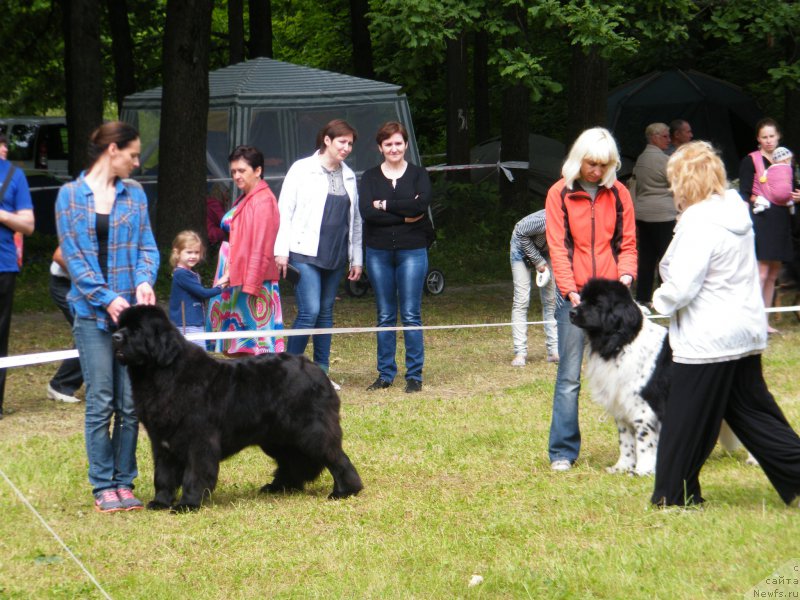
{"points": [[17, 197]]}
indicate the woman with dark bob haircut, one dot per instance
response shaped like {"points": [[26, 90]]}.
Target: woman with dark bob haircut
{"points": [[247, 261], [320, 233], [395, 197], [105, 238]]}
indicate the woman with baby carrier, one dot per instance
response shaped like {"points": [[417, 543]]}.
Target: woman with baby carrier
{"points": [[771, 216]]}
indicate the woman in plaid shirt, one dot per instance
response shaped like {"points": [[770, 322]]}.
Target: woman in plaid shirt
{"points": [[105, 237]]}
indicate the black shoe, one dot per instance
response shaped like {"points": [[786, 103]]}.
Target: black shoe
{"points": [[413, 385], [379, 384]]}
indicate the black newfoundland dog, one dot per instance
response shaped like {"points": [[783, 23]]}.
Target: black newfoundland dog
{"points": [[198, 411], [628, 368]]}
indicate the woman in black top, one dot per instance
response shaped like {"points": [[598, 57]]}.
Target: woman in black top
{"points": [[394, 198]]}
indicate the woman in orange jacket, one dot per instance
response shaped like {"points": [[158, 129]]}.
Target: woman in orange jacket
{"points": [[591, 232]]}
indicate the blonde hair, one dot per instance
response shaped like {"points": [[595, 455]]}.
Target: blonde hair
{"points": [[598, 145], [695, 173], [183, 240]]}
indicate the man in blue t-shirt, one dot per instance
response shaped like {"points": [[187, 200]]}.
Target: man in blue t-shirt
{"points": [[16, 215]]}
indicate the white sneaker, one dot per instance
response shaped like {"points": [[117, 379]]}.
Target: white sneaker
{"points": [[335, 385], [54, 395], [519, 361], [561, 464]]}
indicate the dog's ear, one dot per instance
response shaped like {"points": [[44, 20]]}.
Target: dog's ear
{"points": [[154, 337], [164, 341]]}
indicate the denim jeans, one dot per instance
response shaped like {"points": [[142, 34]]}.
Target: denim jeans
{"points": [[398, 276], [565, 434], [112, 458], [315, 294], [522, 276]]}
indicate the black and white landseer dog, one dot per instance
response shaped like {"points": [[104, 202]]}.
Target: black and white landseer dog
{"points": [[199, 410], [628, 365]]}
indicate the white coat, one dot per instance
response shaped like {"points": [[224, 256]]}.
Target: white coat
{"points": [[710, 284], [302, 204]]}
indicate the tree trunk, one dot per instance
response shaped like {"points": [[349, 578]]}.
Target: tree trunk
{"points": [[480, 78], [514, 144], [457, 108], [362, 43], [235, 31], [588, 91], [184, 124], [260, 28], [83, 69], [122, 50]]}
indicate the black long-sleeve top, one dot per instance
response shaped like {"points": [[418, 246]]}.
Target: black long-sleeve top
{"points": [[411, 197]]}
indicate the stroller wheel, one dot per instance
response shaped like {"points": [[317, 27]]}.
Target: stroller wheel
{"points": [[434, 282], [357, 289]]}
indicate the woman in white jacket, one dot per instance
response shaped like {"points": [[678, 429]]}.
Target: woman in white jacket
{"points": [[718, 330], [320, 232]]}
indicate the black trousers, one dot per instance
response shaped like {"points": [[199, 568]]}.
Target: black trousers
{"points": [[69, 377], [700, 397], [7, 281], [654, 239]]}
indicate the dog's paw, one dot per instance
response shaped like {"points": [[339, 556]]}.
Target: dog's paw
{"points": [[273, 488], [156, 505], [334, 495], [751, 460], [185, 508], [618, 468], [643, 472]]}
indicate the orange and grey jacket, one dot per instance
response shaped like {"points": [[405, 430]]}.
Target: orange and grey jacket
{"points": [[590, 238]]}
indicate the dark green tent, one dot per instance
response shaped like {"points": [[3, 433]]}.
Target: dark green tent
{"points": [[278, 107], [718, 112]]}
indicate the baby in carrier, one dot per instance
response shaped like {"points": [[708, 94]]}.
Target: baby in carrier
{"points": [[776, 182]]}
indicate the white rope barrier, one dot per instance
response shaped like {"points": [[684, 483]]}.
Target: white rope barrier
{"points": [[24, 360], [30, 506]]}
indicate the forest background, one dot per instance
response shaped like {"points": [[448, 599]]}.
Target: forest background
{"points": [[472, 69]]}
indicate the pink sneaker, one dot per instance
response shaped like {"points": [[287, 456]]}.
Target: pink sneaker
{"points": [[128, 500], [107, 501]]}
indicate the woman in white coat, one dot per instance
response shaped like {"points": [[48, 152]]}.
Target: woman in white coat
{"points": [[718, 330], [320, 232]]}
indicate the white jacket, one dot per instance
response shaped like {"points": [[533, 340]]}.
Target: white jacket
{"points": [[302, 204], [710, 284]]}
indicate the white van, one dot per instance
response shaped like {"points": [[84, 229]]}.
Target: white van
{"points": [[38, 144]]}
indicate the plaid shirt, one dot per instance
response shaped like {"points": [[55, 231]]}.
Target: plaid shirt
{"points": [[132, 253]]}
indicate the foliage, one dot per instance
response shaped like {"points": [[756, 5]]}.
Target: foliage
{"points": [[740, 21], [31, 60], [313, 33]]}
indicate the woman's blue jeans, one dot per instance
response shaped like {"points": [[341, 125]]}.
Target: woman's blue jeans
{"points": [[397, 277], [565, 434], [315, 294], [112, 457]]}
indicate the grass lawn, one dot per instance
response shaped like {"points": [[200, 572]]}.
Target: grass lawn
{"points": [[457, 483]]}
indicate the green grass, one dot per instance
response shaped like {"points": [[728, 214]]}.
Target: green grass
{"points": [[457, 483]]}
